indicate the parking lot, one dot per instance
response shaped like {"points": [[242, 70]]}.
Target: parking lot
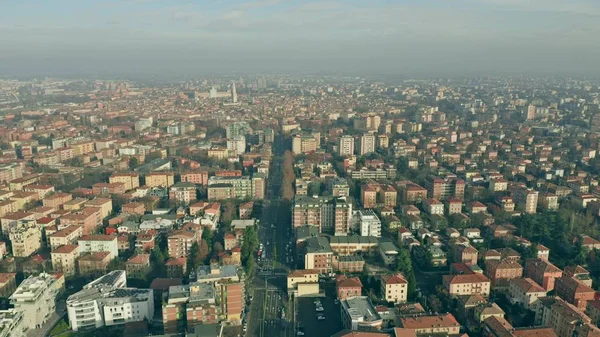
{"points": [[307, 316]]}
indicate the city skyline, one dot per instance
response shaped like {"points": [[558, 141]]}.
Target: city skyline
{"points": [[173, 38]]}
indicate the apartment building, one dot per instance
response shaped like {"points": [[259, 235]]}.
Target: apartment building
{"points": [[12, 323], [8, 284], [36, 298], [394, 288], [56, 200], [104, 204], [349, 263], [525, 199], [318, 255], [445, 188], [130, 180], [303, 282], [179, 242], [359, 314], [350, 245], [64, 259], [367, 222], [367, 143], [108, 301], [413, 193], [346, 146], [467, 284], [330, 215], [66, 236], [525, 291], [347, 287], [502, 272], [138, 266], [183, 192], [563, 317], [305, 143], [95, 263], [375, 195], [542, 272], [433, 207], [198, 178], [99, 243], [574, 292], [106, 189], [26, 238], [220, 188], [160, 179], [133, 208], [89, 219], [444, 324]]}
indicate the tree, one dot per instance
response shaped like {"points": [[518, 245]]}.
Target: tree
{"points": [[404, 265], [133, 163], [204, 251], [157, 261], [218, 247], [193, 256], [434, 303]]}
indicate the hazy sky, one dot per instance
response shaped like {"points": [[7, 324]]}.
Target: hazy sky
{"points": [[347, 36]]}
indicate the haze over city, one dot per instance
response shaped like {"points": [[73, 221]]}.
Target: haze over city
{"points": [[176, 38]]}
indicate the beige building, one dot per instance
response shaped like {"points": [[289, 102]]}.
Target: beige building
{"points": [[104, 204], [94, 263], [367, 143], [394, 288], [36, 298], [303, 282], [526, 199], [65, 236], [131, 180], [57, 200], [160, 179], [467, 284], [75, 204], [64, 259], [26, 238], [525, 291], [346, 146]]}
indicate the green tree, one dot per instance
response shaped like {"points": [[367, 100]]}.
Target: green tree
{"points": [[193, 256], [133, 163], [404, 265]]}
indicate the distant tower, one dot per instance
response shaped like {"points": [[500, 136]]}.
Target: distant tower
{"points": [[233, 93]]}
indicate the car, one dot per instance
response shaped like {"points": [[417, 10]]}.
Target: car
{"points": [[299, 333], [320, 317], [320, 309]]}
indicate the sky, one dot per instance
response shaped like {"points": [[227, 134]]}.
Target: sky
{"points": [[346, 37]]}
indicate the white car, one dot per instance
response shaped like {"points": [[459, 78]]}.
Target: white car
{"points": [[300, 333]]}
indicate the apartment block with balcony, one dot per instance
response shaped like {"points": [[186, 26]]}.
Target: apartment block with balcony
{"points": [[36, 298]]}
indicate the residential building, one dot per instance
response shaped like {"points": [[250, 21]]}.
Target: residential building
{"points": [[367, 222], [330, 215], [444, 324], [574, 292], [138, 266], [318, 255], [8, 284], [88, 218], [36, 298], [303, 282], [350, 245], [443, 189], [99, 243], [525, 291], [160, 179], [563, 317], [347, 287], [56, 200], [108, 301], [220, 188], [26, 238], [502, 272], [367, 143], [64, 259], [346, 146], [130, 180], [394, 288], [95, 263], [13, 323], [106, 189], [542, 272], [467, 284], [526, 199], [66, 236], [433, 207], [183, 192], [388, 252], [180, 242], [349, 263], [358, 313]]}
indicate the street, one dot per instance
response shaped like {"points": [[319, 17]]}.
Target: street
{"points": [[269, 286]]}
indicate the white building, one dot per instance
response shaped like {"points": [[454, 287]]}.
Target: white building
{"points": [[36, 298], [12, 323], [237, 145], [99, 243], [367, 143], [346, 146], [107, 301], [358, 313], [367, 222]]}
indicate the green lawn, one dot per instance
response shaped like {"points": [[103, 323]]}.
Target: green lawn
{"points": [[62, 329]]}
